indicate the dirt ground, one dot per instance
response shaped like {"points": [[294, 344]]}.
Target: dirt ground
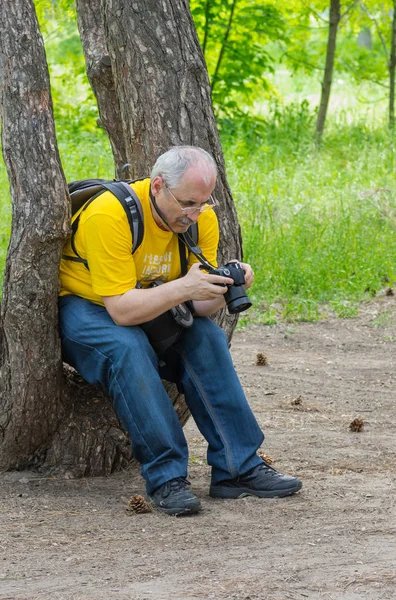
{"points": [[336, 539]]}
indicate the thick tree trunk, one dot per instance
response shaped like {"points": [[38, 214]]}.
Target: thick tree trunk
{"points": [[30, 365], [98, 66], [90, 440], [392, 67], [335, 17]]}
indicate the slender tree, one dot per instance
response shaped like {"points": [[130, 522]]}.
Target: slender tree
{"points": [[392, 68], [383, 18], [334, 21], [224, 44]]}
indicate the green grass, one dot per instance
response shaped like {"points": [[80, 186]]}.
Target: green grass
{"points": [[318, 222], [5, 217]]}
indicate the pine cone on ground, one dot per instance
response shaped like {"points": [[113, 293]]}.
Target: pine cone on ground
{"points": [[265, 457], [261, 359], [356, 425], [297, 401], [389, 292], [138, 505]]}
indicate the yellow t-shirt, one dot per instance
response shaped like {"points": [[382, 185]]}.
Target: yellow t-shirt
{"points": [[104, 239]]}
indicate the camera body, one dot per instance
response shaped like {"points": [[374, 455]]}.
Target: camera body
{"points": [[164, 331], [236, 299]]}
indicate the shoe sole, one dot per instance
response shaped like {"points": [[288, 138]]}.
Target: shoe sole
{"points": [[229, 493], [176, 512]]}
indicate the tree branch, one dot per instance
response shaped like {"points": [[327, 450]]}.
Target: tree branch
{"points": [[374, 20], [303, 62], [227, 33], [205, 40], [314, 12], [346, 65], [349, 8]]}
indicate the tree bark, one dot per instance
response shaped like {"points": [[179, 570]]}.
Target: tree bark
{"points": [[392, 67], [30, 365], [335, 17], [99, 71]]}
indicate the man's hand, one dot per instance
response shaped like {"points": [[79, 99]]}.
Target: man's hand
{"points": [[249, 275], [200, 285]]}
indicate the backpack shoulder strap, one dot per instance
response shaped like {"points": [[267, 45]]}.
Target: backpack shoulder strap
{"points": [[133, 209], [87, 190]]}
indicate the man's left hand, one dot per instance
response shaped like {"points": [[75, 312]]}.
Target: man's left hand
{"points": [[249, 274]]}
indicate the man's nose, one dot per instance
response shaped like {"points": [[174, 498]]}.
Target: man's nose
{"points": [[194, 216]]}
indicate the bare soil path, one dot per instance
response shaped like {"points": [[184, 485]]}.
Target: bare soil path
{"points": [[336, 539]]}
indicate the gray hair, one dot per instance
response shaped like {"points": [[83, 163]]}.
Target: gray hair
{"points": [[173, 164]]}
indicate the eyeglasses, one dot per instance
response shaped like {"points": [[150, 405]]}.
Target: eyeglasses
{"points": [[190, 210]]}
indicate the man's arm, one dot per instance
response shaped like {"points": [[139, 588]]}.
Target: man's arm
{"points": [[141, 305]]}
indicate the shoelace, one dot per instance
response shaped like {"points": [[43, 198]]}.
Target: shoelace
{"points": [[175, 485], [266, 467]]}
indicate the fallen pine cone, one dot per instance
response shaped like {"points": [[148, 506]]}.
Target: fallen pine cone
{"points": [[138, 505], [261, 359], [357, 425], [265, 457], [389, 292], [297, 401]]}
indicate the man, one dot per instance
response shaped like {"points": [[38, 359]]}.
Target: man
{"points": [[101, 310]]}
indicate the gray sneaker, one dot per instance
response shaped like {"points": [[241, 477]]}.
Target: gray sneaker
{"points": [[262, 481], [175, 497]]}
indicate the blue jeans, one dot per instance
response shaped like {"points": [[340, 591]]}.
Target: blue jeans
{"points": [[122, 361]]}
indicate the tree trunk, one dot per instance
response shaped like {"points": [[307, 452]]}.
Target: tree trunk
{"points": [[30, 365], [335, 17], [99, 71], [392, 66]]}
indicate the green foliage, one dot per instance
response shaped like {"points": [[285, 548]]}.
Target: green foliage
{"points": [[5, 217], [74, 103], [83, 146], [307, 31], [318, 224], [49, 11], [234, 35]]}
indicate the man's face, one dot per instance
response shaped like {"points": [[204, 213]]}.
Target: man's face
{"points": [[192, 192]]}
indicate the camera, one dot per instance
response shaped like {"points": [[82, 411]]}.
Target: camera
{"points": [[235, 296], [164, 331]]}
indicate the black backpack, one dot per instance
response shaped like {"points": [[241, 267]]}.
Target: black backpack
{"points": [[84, 191]]}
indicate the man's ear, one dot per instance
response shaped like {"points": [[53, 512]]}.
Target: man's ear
{"points": [[156, 185]]}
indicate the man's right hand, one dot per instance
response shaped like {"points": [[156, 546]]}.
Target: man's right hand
{"points": [[200, 285]]}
